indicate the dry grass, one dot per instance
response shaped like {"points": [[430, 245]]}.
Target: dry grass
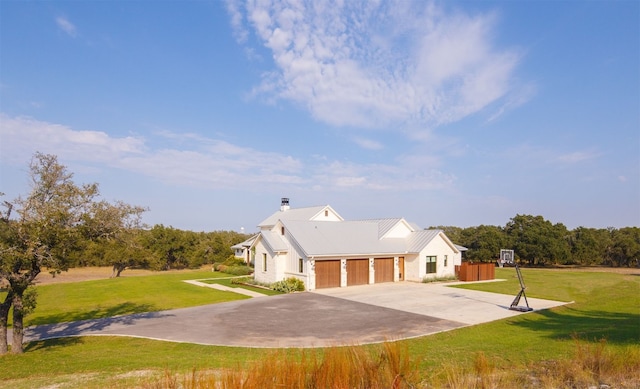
{"points": [[386, 366], [593, 365]]}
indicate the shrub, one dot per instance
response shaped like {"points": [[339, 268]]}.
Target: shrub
{"points": [[240, 281], [289, 285], [427, 280], [241, 270]]}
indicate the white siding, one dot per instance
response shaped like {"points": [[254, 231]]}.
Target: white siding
{"points": [[437, 247], [327, 215], [275, 265], [412, 268], [400, 230]]}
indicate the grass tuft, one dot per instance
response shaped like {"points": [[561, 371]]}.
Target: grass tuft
{"points": [[386, 366]]}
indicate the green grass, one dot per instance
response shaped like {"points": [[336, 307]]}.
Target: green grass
{"points": [[123, 295], [227, 282], [606, 305]]}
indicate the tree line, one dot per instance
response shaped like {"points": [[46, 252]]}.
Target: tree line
{"points": [[538, 242], [158, 248]]}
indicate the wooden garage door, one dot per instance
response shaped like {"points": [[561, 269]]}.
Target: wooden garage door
{"points": [[357, 272], [384, 269], [327, 274]]}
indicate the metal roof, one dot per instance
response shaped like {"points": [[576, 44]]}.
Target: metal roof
{"points": [[355, 238], [292, 214], [246, 243], [274, 241]]}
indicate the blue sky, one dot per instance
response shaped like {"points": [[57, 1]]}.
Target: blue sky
{"points": [[445, 113]]}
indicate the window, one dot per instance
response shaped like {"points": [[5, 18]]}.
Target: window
{"points": [[431, 264], [445, 261], [282, 230], [300, 265], [264, 261], [326, 213]]}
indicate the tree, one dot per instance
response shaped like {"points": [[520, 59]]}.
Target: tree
{"points": [[47, 226], [625, 250], [484, 242], [589, 245], [537, 241]]}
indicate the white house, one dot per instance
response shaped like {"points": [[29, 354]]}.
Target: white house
{"points": [[243, 250], [319, 247]]}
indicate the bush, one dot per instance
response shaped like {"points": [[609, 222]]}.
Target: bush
{"points": [[289, 285], [240, 270], [235, 270], [240, 281]]}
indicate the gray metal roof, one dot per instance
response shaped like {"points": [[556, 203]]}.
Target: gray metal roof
{"points": [[246, 243], [292, 214], [384, 225], [274, 241], [419, 239], [355, 238]]}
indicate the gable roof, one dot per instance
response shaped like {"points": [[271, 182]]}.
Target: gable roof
{"points": [[307, 214], [246, 244], [274, 242], [356, 238]]}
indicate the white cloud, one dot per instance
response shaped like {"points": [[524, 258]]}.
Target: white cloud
{"points": [[21, 136], [196, 161], [577, 156], [531, 155], [65, 25], [372, 64], [368, 144]]}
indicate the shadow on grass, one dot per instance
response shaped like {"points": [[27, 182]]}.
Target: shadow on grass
{"points": [[97, 313], [51, 343], [567, 323], [116, 316]]}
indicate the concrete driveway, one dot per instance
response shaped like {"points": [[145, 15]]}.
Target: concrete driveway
{"points": [[328, 317]]}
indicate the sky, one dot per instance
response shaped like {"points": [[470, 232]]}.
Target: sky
{"points": [[452, 113]]}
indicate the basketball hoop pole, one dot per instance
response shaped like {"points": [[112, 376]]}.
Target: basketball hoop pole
{"points": [[515, 304]]}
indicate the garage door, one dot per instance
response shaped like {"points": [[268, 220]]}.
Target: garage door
{"points": [[357, 272], [327, 274], [384, 269]]}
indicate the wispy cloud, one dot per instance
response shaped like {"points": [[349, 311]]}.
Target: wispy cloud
{"points": [[368, 144], [373, 64], [577, 156], [65, 25], [532, 155], [198, 161]]}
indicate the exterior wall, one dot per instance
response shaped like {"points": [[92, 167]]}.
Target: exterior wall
{"points": [[292, 264], [331, 216], [457, 259], [439, 248], [400, 230], [275, 267], [412, 268]]}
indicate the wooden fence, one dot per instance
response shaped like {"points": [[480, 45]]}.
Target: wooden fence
{"points": [[476, 271]]}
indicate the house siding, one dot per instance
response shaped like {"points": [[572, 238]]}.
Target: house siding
{"points": [[275, 265], [439, 248]]}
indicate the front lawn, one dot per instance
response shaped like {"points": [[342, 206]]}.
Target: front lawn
{"points": [[122, 296], [605, 309]]}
